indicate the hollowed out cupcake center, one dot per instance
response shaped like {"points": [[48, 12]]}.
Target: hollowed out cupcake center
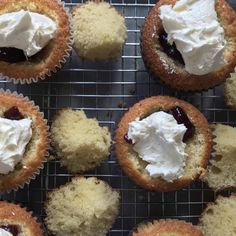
{"points": [[12, 55], [13, 114], [169, 49], [13, 229], [15, 55], [181, 118]]}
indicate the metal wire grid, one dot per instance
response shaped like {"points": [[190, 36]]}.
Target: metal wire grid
{"points": [[105, 90]]}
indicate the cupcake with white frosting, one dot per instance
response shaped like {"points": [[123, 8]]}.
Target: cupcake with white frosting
{"points": [[190, 44], [35, 39], [163, 143], [23, 140]]}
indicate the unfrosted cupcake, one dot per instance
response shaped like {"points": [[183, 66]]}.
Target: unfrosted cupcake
{"points": [[35, 39], [163, 143], [16, 221], [219, 218], [99, 31], [83, 207], [187, 48], [24, 140], [230, 90], [80, 143], [221, 170], [166, 228]]}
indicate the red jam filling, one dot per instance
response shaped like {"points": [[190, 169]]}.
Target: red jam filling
{"points": [[13, 114], [182, 118], [127, 139], [169, 49], [12, 55]]}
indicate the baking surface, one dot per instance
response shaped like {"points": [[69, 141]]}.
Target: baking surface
{"points": [[105, 90]]}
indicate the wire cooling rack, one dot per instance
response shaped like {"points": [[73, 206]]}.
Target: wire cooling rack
{"points": [[105, 90]]}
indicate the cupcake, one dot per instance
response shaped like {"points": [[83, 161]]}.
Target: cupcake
{"points": [[163, 143], [80, 143], [230, 90], [38, 39], [24, 140], [187, 48], [16, 221], [166, 228], [219, 218], [99, 31], [83, 207], [221, 171]]}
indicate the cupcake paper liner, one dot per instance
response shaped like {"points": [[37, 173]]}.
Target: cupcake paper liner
{"points": [[213, 155], [57, 67], [230, 101], [46, 135]]}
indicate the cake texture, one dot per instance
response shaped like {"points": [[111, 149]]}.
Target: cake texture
{"points": [[198, 148], [221, 171], [99, 31], [80, 143], [51, 57], [166, 228], [219, 218], [22, 221], [83, 207], [36, 149], [173, 73], [230, 90]]}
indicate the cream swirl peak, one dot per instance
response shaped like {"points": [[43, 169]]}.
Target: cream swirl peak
{"points": [[194, 27], [14, 136], [158, 140], [27, 31]]}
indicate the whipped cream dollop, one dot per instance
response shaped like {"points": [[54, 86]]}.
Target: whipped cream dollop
{"points": [[14, 136], [3, 232], [194, 27], [158, 141], [26, 30]]}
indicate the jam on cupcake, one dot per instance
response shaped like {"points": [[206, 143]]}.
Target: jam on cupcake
{"points": [[190, 45], [163, 143], [24, 141], [35, 39]]}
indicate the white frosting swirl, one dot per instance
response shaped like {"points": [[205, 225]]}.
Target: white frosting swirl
{"points": [[193, 26], [26, 30], [158, 141], [14, 136], [3, 232]]}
